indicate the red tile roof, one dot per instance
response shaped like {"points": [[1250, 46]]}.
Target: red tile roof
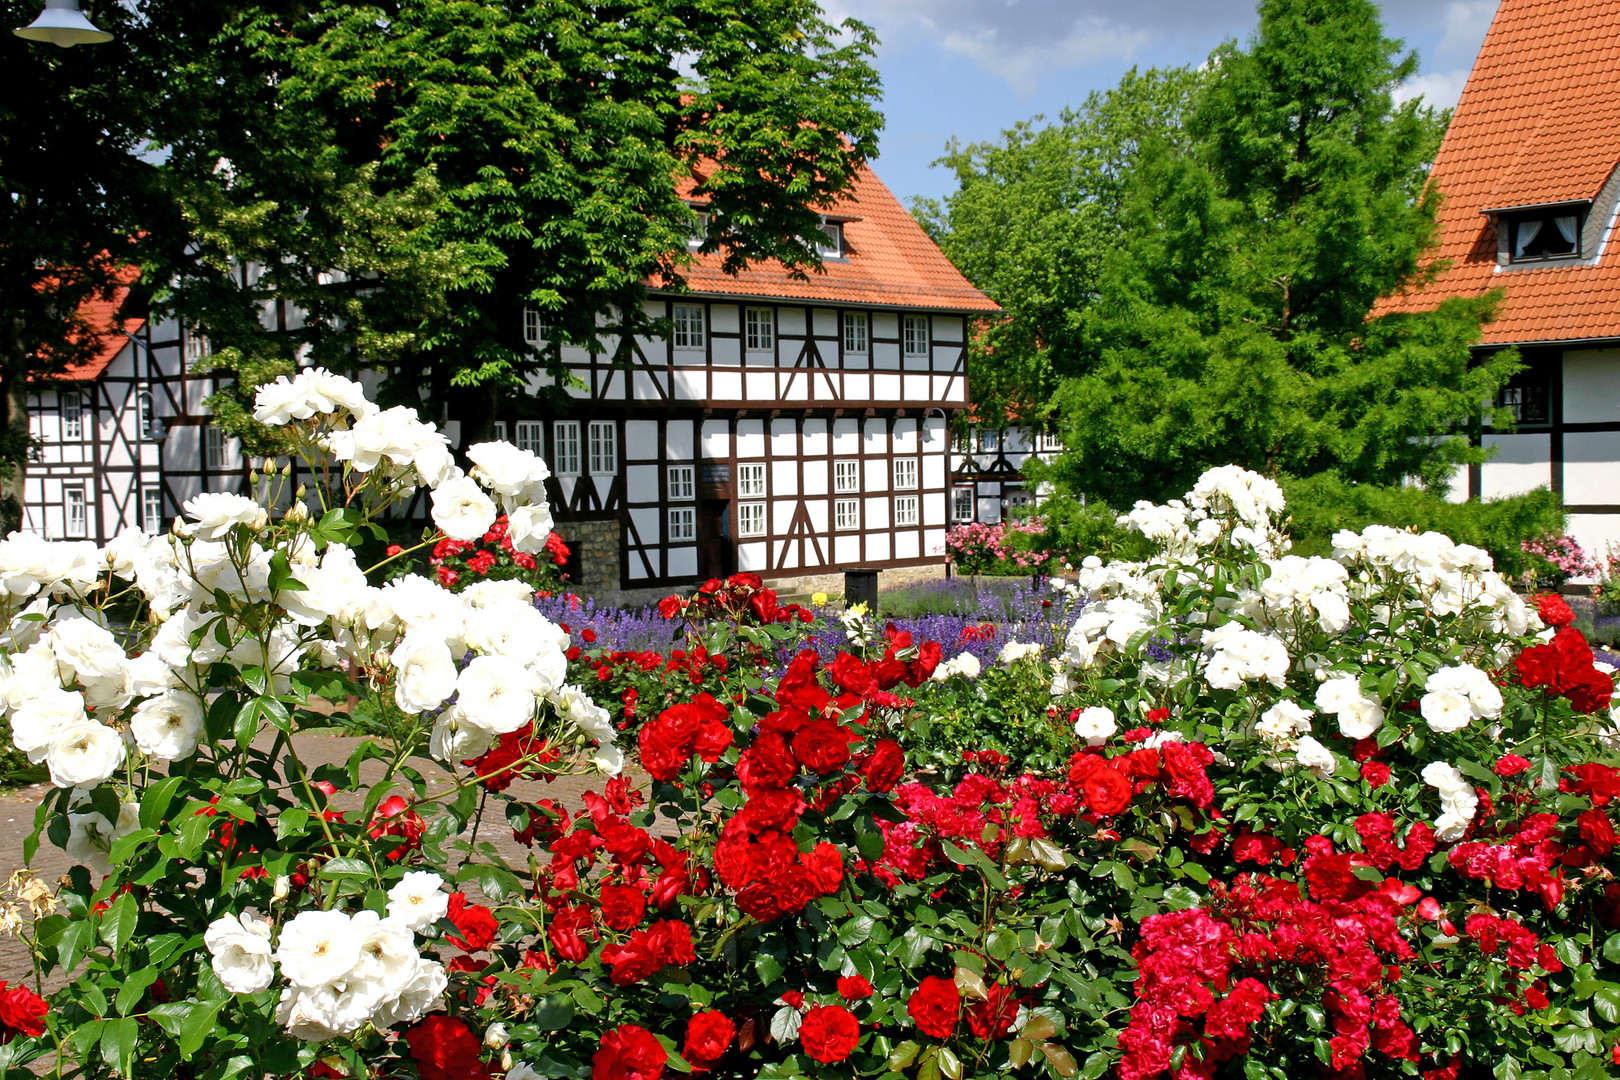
{"points": [[890, 261], [102, 317], [1538, 123]]}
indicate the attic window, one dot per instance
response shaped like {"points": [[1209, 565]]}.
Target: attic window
{"points": [[1536, 236], [700, 233], [830, 241]]}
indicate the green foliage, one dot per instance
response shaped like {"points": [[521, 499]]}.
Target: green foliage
{"points": [[1323, 504], [1004, 708], [1031, 221]]}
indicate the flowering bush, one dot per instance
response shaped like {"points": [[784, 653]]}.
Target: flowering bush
{"points": [[494, 557], [1002, 548], [1554, 560]]}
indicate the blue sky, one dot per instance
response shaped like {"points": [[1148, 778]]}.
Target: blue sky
{"points": [[971, 68]]}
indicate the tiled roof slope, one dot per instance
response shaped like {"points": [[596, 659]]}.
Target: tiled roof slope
{"points": [[1539, 122], [891, 261], [102, 316]]}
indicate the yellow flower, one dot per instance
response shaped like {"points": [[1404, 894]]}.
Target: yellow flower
{"points": [[819, 599]]}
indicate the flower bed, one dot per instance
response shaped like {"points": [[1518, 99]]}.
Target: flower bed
{"points": [[1339, 817]]}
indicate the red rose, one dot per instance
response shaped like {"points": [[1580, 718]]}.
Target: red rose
{"points": [[671, 941], [1106, 791], [1554, 611], [475, 921], [670, 606], [1332, 877], [884, 766], [822, 746], [934, 1007], [708, 1036], [1597, 831], [629, 1053], [1510, 765], [854, 988], [445, 1048], [829, 1033], [21, 1012], [1376, 773], [993, 1017], [766, 764], [622, 906], [772, 808]]}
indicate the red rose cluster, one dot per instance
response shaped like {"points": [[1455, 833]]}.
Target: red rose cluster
{"points": [[22, 1012], [700, 727], [459, 562], [1564, 667], [516, 753], [741, 599]]}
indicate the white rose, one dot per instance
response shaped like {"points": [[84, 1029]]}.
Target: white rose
{"points": [[1335, 693], [1315, 757], [84, 754], [1446, 711], [461, 510], [1095, 723], [1438, 774], [1283, 721], [528, 527], [387, 955], [240, 947], [421, 993], [419, 900], [496, 693], [505, 469], [90, 838], [46, 712], [522, 1070], [169, 726], [214, 513], [425, 673], [320, 1013], [317, 948], [488, 594], [84, 649], [496, 1036], [585, 714], [456, 738], [1360, 718], [608, 759]]}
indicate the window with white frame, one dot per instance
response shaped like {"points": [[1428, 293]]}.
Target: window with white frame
{"points": [[989, 441], [75, 514], [72, 415], [855, 332], [962, 504], [688, 320], [846, 514], [846, 476], [531, 437], [829, 241], [214, 447], [604, 448], [143, 414], [535, 329], [565, 447], [761, 329], [1053, 440], [196, 346], [905, 474], [682, 524], [751, 480], [905, 510], [152, 508], [497, 431], [915, 335], [751, 519], [680, 483], [700, 232]]}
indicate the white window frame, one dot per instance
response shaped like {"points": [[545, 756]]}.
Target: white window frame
{"points": [[962, 502], [829, 240], [151, 508], [857, 333], [497, 431], [689, 327], [681, 483], [1052, 441], [905, 511], [145, 414], [695, 239], [71, 406], [535, 330], [75, 512], [196, 346], [905, 474], [216, 449], [847, 476], [914, 335], [682, 524], [751, 519], [565, 447], [759, 330], [989, 441], [847, 515], [531, 436], [604, 448], [751, 480]]}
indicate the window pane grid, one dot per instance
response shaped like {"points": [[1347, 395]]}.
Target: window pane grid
{"points": [[962, 504], [531, 437], [751, 480], [152, 509], [846, 476], [74, 512], [213, 447], [604, 448], [688, 320], [846, 514], [680, 482], [905, 510], [855, 337], [750, 519], [905, 474], [534, 327], [916, 335], [682, 524], [72, 416], [761, 329], [565, 436]]}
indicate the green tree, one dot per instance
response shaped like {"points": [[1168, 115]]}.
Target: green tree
{"points": [[399, 180], [1231, 322], [1030, 222]]}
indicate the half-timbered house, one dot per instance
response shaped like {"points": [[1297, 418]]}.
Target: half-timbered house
{"points": [[988, 481]]}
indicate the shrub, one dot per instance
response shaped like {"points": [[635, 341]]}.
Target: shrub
{"points": [[1003, 548]]}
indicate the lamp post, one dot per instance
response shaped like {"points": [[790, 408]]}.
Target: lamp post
{"points": [[62, 23]]}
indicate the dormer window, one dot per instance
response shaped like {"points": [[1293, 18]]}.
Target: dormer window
{"points": [[1541, 233], [700, 232], [829, 241]]}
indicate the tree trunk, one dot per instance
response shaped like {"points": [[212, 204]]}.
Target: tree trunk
{"points": [[14, 379]]}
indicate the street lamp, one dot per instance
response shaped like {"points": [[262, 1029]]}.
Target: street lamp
{"points": [[62, 23]]}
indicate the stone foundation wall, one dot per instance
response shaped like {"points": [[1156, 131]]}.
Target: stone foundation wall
{"points": [[597, 546]]}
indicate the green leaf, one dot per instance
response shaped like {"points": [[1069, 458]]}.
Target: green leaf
{"points": [[118, 922], [78, 939], [194, 1029], [118, 1043], [1607, 1002], [1507, 1069], [767, 967], [134, 988], [554, 1013]]}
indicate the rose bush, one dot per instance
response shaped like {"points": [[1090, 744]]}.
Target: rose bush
{"points": [[1340, 817]]}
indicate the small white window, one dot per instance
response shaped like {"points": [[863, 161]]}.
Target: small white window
{"points": [[682, 524], [830, 241], [700, 233], [143, 412], [535, 329], [75, 520], [152, 508], [916, 335], [604, 448], [989, 441], [196, 346], [905, 510], [751, 480], [72, 415], [962, 504], [750, 519], [1054, 441], [531, 437], [680, 483], [565, 436], [689, 326], [855, 337], [905, 474], [846, 514], [846, 477], [761, 330], [497, 431], [214, 448]]}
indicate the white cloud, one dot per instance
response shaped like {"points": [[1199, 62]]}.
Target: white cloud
{"points": [[1021, 64], [1466, 23], [1440, 89]]}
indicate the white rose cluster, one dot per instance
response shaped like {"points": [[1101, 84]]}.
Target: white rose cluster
{"points": [[1239, 655], [1456, 696], [1359, 714], [341, 971], [963, 664], [1458, 801]]}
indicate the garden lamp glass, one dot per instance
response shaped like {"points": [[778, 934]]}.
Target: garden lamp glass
{"points": [[62, 23]]}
